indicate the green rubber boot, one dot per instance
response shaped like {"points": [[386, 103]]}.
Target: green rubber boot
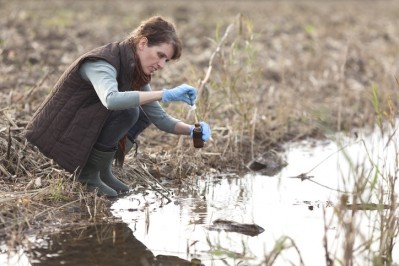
{"points": [[90, 176], [106, 173]]}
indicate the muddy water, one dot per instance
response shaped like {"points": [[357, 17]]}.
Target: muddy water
{"points": [[295, 207]]}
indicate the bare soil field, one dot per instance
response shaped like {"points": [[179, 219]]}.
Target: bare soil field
{"points": [[278, 71]]}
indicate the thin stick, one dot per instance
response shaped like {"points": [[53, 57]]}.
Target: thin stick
{"points": [[341, 88], [217, 50], [210, 64], [208, 72], [152, 181], [194, 109], [253, 132], [10, 119], [40, 83]]}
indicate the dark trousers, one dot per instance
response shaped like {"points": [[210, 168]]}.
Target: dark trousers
{"points": [[130, 122]]}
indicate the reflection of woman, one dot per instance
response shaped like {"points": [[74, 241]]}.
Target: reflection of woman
{"points": [[101, 244], [104, 98]]}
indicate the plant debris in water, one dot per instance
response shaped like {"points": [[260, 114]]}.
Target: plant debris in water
{"points": [[231, 226]]}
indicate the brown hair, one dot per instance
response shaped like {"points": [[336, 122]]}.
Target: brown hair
{"points": [[157, 30]]}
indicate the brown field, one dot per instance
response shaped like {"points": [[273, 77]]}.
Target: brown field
{"points": [[280, 71]]}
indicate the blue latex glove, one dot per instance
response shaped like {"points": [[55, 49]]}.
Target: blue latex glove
{"points": [[206, 131], [184, 93]]}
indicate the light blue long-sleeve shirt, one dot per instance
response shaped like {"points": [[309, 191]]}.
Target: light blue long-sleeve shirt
{"points": [[102, 76]]}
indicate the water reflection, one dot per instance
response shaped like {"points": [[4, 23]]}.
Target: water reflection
{"points": [[284, 205], [100, 244]]}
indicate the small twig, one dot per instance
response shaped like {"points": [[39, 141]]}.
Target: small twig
{"points": [[10, 120], [8, 145], [329, 261], [210, 64], [325, 159], [40, 83], [153, 180], [4, 171], [6, 197], [253, 132], [144, 167], [304, 176]]}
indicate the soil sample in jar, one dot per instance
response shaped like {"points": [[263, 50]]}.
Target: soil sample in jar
{"points": [[197, 136]]}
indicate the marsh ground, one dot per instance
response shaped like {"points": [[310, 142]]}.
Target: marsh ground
{"points": [[286, 70]]}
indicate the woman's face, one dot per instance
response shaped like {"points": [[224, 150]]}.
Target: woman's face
{"points": [[155, 57]]}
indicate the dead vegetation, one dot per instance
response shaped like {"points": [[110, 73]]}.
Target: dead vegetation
{"points": [[267, 72]]}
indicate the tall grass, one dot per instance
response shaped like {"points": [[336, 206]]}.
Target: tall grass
{"points": [[367, 214]]}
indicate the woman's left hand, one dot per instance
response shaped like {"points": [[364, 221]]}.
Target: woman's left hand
{"points": [[206, 131]]}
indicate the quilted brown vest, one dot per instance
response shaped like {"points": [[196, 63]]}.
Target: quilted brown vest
{"points": [[69, 121]]}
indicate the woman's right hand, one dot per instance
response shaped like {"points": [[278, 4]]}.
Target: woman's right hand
{"points": [[184, 93]]}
